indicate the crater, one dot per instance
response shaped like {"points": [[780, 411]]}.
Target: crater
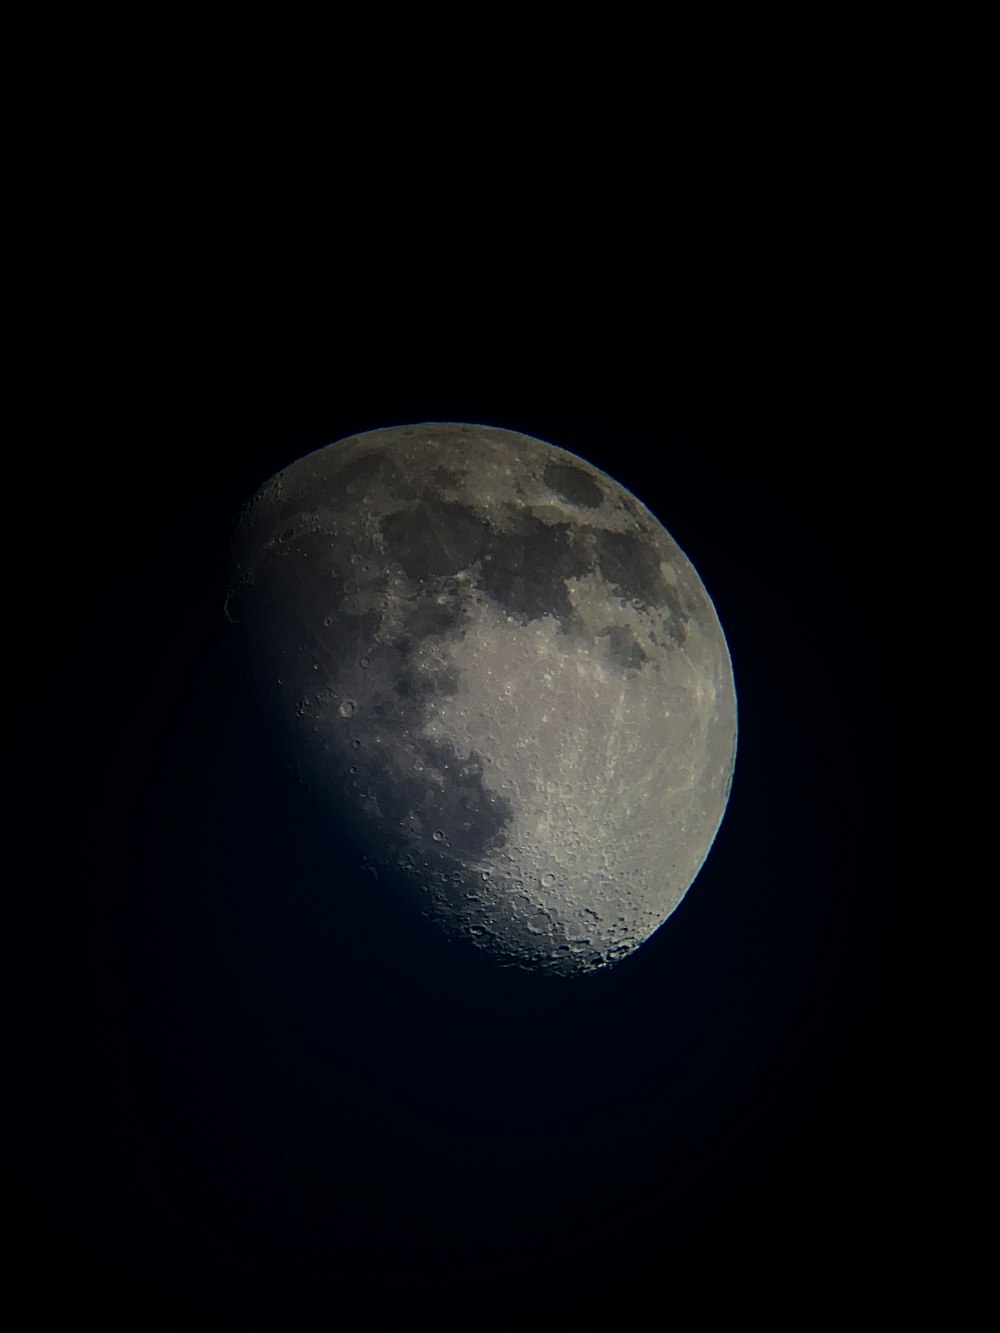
{"points": [[572, 485]]}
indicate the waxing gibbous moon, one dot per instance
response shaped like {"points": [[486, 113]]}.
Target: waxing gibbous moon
{"points": [[501, 675]]}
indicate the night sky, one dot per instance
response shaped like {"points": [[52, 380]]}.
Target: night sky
{"points": [[244, 1083]]}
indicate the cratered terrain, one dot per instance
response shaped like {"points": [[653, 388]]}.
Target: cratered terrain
{"points": [[500, 674]]}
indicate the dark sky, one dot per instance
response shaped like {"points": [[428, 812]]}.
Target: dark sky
{"points": [[237, 1087]]}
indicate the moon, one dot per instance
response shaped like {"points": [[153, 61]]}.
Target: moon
{"points": [[500, 673]]}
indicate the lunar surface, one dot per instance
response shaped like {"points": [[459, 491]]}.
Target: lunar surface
{"points": [[500, 673]]}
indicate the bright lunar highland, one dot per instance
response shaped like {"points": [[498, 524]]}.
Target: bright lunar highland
{"points": [[502, 678]]}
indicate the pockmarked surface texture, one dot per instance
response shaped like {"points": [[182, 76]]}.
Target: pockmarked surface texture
{"points": [[502, 675]]}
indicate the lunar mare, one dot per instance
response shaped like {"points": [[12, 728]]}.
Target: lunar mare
{"points": [[501, 673]]}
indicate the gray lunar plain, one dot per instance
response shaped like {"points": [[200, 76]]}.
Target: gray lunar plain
{"points": [[501, 675]]}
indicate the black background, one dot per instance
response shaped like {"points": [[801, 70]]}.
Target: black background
{"points": [[244, 1084]]}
